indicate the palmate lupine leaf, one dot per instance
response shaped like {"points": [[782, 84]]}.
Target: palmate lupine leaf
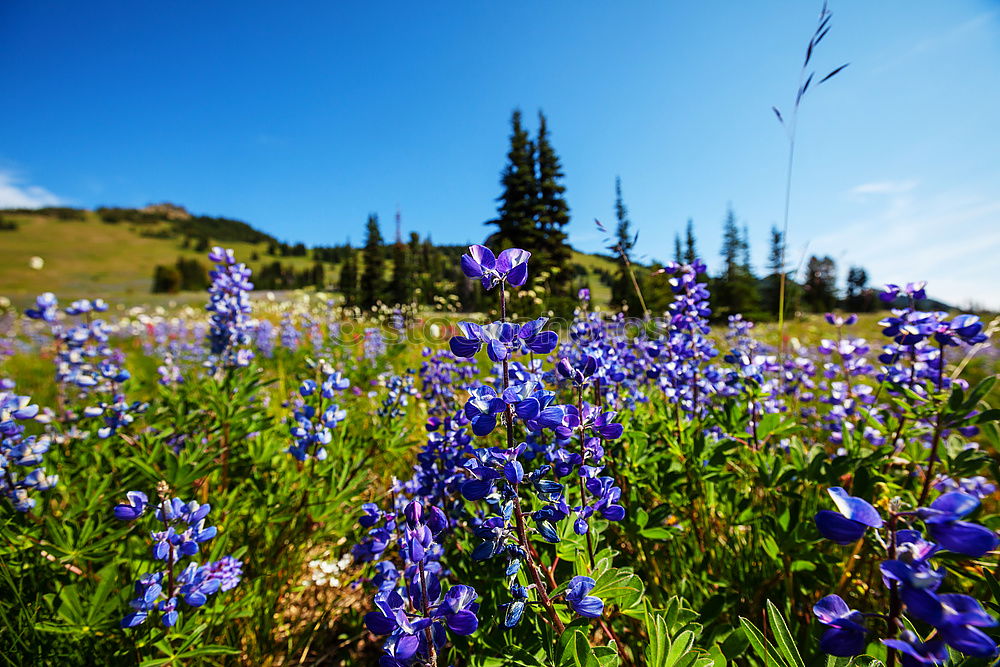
{"points": [[666, 651]]}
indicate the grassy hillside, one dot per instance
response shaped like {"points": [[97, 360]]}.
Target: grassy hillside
{"points": [[91, 256]]}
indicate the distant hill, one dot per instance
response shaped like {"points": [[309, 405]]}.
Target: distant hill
{"points": [[112, 252]]}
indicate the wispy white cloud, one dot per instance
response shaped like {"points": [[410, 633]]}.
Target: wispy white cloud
{"points": [[884, 188], [949, 238], [942, 39], [15, 193]]}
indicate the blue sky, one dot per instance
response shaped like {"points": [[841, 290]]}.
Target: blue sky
{"points": [[302, 117]]}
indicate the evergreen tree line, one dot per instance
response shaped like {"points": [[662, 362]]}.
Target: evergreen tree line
{"points": [[279, 249], [415, 271], [184, 275], [192, 275], [277, 276], [736, 288]]}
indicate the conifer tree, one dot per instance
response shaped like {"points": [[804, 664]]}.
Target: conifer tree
{"points": [[678, 249], [373, 276], [858, 297], [624, 229], [552, 213], [349, 277], [691, 249], [623, 289], [821, 284], [515, 221], [401, 285], [735, 288], [770, 294], [745, 251]]}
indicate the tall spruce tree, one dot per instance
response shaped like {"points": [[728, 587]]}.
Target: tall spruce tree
{"points": [[678, 249], [401, 284], [771, 291], [623, 231], [735, 288], [745, 251], [690, 248], [373, 276], [515, 221], [623, 290], [552, 213], [349, 277], [821, 284], [858, 297]]}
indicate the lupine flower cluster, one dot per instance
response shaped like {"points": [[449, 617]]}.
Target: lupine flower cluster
{"points": [[184, 529], [289, 333], [263, 337], [229, 304], [86, 362], [411, 606], [398, 390], [919, 340], [441, 374], [374, 344], [21, 457], [316, 416], [912, 577], [498, 475], [449, 470], [84, 359], [684, 352]]}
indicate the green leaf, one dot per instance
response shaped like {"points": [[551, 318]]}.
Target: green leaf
{"points": [[763, 648], [655, 533], [607, 656], [979, 391], [991, 415], [679, 648], [994, 585], [517, 656], [786, 644], [620, 586], [956, 399], [576, 650]]}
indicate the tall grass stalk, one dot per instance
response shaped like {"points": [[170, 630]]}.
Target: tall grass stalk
{"points": [[822, 28]]}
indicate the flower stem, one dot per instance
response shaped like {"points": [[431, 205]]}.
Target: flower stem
{"points": [[579, 476], [533, 569], [522, 534], [423, 602]]}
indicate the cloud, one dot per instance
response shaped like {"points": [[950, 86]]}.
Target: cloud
{"points": [[15, 193], [884, 188], [949, 238], [942, 39]]}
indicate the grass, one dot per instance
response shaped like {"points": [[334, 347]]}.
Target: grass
{"points": [[115, 261], [89, 258]]}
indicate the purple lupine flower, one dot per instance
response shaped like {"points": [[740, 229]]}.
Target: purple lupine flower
{"points": [[916, 652], [19, 452], [849, 523], [845, 636], [578, 598], [943, 523], [227, 570], [510, 266], [229, 303], [185, 528], [482, 409]]}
